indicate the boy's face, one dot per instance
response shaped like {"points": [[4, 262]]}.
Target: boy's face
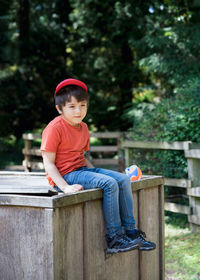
{"points": [[74, 112]]}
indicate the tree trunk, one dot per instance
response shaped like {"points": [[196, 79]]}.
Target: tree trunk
{"points": [[24, 28]]}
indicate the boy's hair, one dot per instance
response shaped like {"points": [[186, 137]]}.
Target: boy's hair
{"points": [[65, 94]]}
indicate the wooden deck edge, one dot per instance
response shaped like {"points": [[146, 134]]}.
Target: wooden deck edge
{"points": [[71, 199]]}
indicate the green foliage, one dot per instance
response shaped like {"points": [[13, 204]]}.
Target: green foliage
{"points": [[172, 119], [103, 54], [10, 151], [129, 53], [28, 78]]}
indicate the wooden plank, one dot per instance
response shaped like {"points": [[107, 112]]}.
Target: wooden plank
{"points": [[147, 182], [103, 149], [22, 173], [24, 250], [33, 152], [93, 194], [104, 161], [194, 192], [68, 246], [115, 134], [34, 165], [25, 200], [177, 208], [72, 198], [31, 136], [24, 190], [105, 134], [97, 265], [195, 153], [194, 146], [25, 184], [182, 183], [156, 145], [195, 219], [161, 205], [64, 200], [49, 240], [149, 223]]}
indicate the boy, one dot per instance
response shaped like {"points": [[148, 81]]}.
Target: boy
{"points": [[64, 141]]}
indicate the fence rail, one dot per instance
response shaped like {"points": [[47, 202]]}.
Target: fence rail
{"points": [[192, 184], [99, 155]]}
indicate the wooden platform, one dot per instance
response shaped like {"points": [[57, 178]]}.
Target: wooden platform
{"points": [[63, 236]]}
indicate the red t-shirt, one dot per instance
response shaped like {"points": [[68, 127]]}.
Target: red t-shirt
{"points": [[68, 142]]}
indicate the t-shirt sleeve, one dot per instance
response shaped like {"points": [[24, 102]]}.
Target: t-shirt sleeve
{"points": [[50, 139]]}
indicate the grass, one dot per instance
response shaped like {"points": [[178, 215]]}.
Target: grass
{"points": [[182, 249]]}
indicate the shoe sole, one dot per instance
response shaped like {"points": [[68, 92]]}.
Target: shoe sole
{"points": [[115, 251], [146, 249]]}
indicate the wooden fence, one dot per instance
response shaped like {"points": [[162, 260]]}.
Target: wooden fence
{"points": [[46, 236], [33, 160], [100, 155], [192, 184]]}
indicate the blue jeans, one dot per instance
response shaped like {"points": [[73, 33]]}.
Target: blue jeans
{"points": [[117, 195]]}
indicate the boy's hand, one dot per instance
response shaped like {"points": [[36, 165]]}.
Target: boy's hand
{"points": [[72, 188]]}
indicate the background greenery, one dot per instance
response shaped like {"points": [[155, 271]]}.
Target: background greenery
{"points": [[140, 60]]}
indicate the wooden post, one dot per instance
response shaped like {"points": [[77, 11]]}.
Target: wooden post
{"points": [[120, 155], [193, 160], [127, 156], [27, 156]]}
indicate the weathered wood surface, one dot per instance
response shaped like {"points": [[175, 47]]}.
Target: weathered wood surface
{"points": [[23, 184], [194, 192], [63, 236], [185, 145], [177, 208], [182, 183], [25, 244], [193, 154]]}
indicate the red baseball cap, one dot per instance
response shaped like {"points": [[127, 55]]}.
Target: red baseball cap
{"points": [[68, 82]]}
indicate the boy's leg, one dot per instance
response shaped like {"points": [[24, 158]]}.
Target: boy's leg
{"points": [[89, 179], [126, 209], [125, 197]]}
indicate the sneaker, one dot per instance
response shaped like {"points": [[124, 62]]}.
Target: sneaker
{"points": [[145, 245], [121, 243]]}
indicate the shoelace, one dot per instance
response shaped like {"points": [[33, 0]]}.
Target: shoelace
{"points": [[140, 233], [121, 239]]}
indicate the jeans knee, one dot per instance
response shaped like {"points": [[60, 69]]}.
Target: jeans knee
{"points": [[125, 181], [110, 185]]}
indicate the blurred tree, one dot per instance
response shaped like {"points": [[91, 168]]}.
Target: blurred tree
{"points": [[38, 33], [126, 51], [102, 52]]}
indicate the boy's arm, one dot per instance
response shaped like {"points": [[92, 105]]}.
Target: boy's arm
{"points": [[88, 163], [50, 167]]}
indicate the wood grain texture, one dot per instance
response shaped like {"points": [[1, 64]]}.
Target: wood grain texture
{"points": [[63, 237], [24, 246], [68, 246], [97, 264], [149, 223]]}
